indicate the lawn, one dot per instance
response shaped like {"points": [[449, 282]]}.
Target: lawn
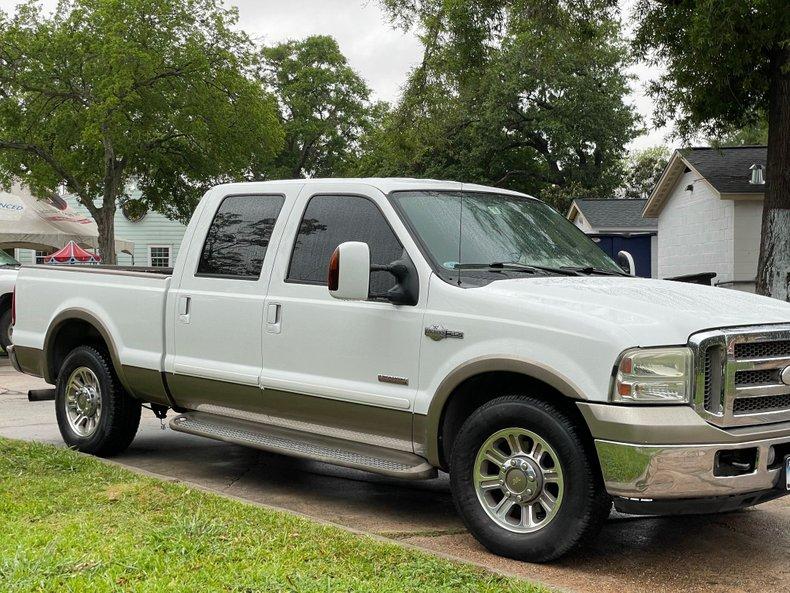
{"points": [[72, 523]]}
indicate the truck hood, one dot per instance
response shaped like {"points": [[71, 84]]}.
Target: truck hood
{"points": [[653, 312]]}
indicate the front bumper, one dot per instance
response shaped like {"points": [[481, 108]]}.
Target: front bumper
{"points": [[668, 459]]}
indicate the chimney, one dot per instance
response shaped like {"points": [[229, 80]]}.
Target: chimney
{"points": [[757, 175]]}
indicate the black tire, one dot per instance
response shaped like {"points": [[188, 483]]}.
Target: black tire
{"points": [[120, 413], [584, 505], [5, 329]]}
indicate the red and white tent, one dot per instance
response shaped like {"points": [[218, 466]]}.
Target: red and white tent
{"points": [[72, 254]]}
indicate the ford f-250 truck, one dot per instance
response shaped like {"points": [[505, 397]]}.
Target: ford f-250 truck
{"points": [[400, 326]]}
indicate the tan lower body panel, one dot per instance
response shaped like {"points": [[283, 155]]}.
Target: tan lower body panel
{"points": [[362, 423]]}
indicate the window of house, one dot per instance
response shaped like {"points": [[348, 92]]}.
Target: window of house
{"points": [[329, 221], [40, 255], [238, 237], [159, 256]]}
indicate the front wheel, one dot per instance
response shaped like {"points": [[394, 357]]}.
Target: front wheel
{"points": [[95, 414], [525, 480]]}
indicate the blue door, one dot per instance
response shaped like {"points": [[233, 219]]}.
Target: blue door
{"points": [[637, 245]]}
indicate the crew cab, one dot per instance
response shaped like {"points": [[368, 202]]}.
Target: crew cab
{"points": [[407, 326]]}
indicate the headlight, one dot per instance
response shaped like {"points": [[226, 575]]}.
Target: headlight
{"points": [[653, 375]]}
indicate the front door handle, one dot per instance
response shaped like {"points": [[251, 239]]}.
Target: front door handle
{"points": [[274, 318], [184, 306]]}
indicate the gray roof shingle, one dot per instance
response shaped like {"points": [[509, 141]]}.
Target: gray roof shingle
{"points": [[616, 214], [727, 169]]}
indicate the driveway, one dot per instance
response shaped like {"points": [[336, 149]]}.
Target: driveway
{"points": [[744, 551]]}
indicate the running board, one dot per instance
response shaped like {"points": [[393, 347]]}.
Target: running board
{"points": [[388, 462]]}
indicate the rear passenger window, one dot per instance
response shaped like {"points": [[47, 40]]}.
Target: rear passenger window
{"points": [[329, 221], [238, 237]]}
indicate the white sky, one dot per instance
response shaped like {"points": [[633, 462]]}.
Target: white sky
{"points": [[380, 53]]}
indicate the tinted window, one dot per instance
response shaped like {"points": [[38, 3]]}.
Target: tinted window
{"points": [[239, 235], [329, 221]]}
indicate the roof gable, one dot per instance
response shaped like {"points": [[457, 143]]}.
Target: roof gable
{"points": [[726, 170], [611, 214]]}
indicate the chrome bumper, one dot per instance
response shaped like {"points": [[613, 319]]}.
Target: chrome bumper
{"points": [[647, 472], [12, 358]]}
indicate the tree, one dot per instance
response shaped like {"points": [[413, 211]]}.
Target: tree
{"points": [[727, 62], [643, 170], [749, 135], [527, 95], [324, 104], [104, 92]]}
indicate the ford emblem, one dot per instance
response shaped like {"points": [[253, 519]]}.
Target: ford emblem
{"points": [[786, 375]]}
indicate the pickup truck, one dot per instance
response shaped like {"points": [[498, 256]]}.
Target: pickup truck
{"points": [[407, 326], [8, 272]]}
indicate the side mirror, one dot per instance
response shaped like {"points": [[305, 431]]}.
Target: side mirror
{"points": [[626, 261], [349, 271]]}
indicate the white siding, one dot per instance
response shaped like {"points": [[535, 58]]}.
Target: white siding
{"points": [[748, 229], [154, 229], [582, 223], [696, 232]]}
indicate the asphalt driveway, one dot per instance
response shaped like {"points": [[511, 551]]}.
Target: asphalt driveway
{"points": [[738, 552]]}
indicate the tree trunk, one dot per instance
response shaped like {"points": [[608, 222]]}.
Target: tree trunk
{"points": [[105, 221], [773, 270]]}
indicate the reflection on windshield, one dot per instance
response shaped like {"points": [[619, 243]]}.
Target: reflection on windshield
{"points": [[475, 227], [7, 260]]}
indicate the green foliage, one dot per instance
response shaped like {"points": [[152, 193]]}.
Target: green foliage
{"points": [[643, 170], [719, 55], [102, 92], [72, 523], [521, 94], [324, 104], [748, 135]]}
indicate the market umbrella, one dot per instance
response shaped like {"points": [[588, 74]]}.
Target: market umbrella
{"points": [[29, 223], [72, 254]]}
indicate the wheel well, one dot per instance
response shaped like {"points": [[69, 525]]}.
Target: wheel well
{"points": [[5, 302], [69, 335], [480, 389]]}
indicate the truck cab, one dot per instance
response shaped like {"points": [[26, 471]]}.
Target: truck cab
{"points": [[408, 326]]}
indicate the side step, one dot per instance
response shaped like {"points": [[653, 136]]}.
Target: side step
{"points": [[41, 395], [388, 462]]}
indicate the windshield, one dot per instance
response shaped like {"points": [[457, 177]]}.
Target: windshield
{"points": [[497, 228], [7, 260]]}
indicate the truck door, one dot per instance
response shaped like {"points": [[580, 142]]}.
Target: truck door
{"points": [[341, 368], [217, 350]]}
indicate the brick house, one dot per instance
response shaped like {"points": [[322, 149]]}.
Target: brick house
{"points": [[708, 204]]}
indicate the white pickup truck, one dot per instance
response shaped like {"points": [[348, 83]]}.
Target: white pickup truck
{"points": [[400, 326], [9, 268]]}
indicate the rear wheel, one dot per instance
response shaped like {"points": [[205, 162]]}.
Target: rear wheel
{"points": [[95, 414], [525, 480], [5, 329]]}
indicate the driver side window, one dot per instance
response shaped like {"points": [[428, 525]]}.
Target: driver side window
{"points": [[331, 220]]}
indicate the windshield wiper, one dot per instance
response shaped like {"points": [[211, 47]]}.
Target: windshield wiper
{"points": [[589, 270], [516, 267]]}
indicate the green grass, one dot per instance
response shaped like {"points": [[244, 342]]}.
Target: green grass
{"points": [[72, 523]]}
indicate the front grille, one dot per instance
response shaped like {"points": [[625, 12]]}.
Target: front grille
{"points": [[755, 405], [739, 375], [756, 377], [777, 349]]}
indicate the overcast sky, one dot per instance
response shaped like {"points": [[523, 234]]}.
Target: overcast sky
{"points": [[380, 53]]}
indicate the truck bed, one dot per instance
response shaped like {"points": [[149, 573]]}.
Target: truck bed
{"points": [[128, 304]]}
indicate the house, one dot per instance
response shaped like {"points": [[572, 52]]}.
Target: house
{"points": [[618, 225], [708, 204], [156, 238]]}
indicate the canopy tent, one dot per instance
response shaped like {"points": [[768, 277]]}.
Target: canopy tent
{"points": [[72, 254], [29, 223]]}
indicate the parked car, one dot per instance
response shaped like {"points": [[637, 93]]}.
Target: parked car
{"points": [[9, 269], [404, 326]]}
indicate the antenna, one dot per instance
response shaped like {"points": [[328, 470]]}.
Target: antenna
{"points": [[460, 234]]}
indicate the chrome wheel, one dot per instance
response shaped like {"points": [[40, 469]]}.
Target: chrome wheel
{"points": [[83, 401], [518, 480]]}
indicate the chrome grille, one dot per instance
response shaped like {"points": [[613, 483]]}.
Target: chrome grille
{"points": [[739, 375]]}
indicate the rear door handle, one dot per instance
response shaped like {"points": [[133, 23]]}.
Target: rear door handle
{"points": [[273, 318], [184, 306]]}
